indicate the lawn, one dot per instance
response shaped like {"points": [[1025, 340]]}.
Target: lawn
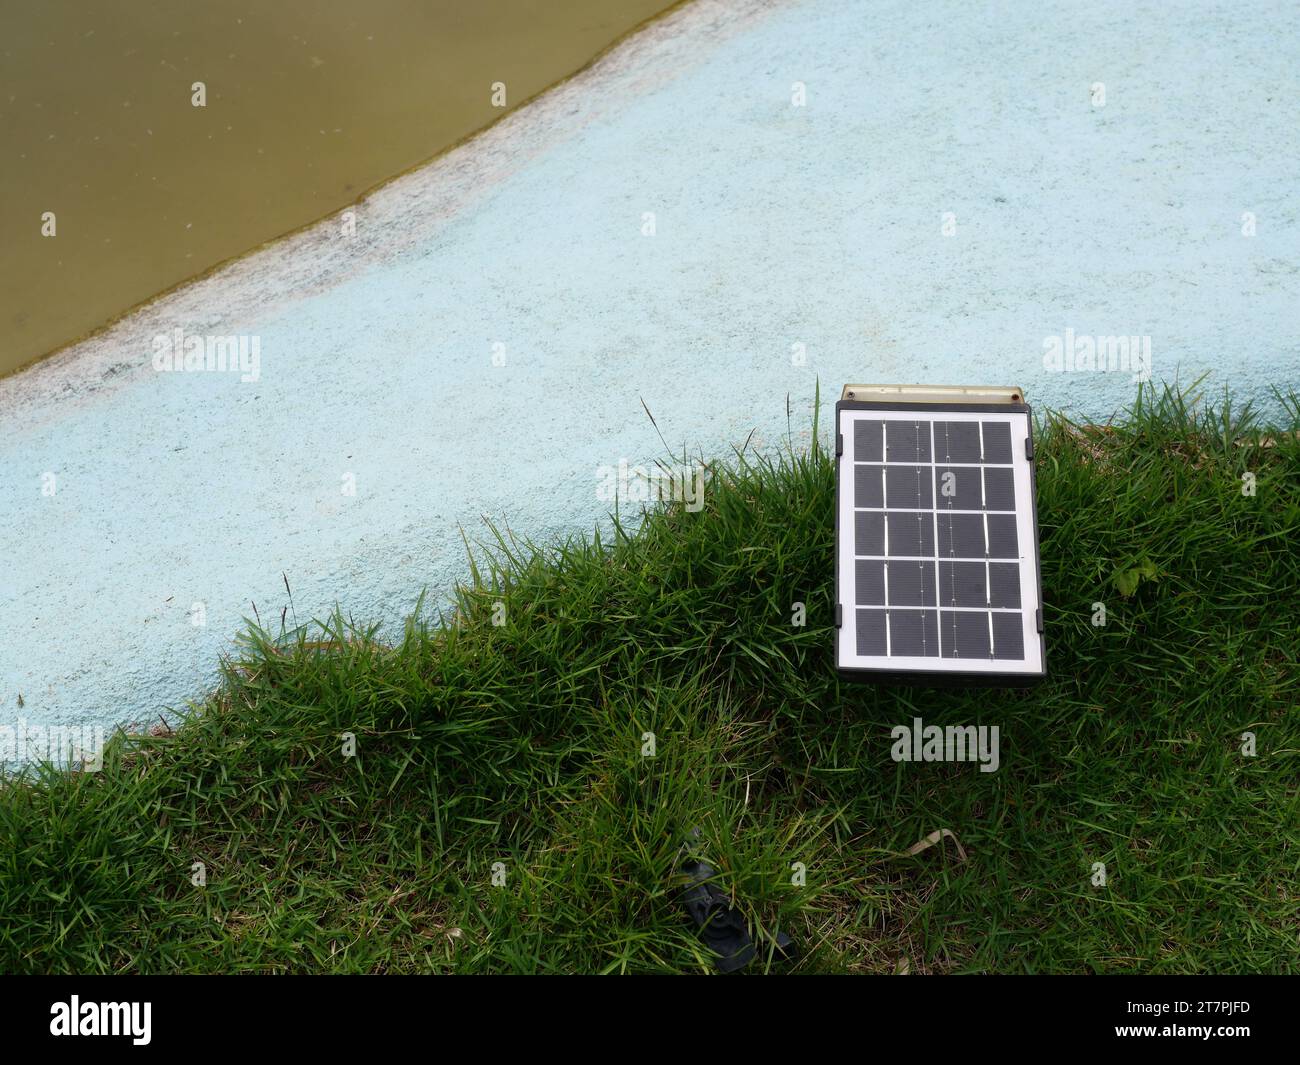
{"points": [[479, 797]]}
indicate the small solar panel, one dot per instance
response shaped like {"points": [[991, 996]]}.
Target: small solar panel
{"points": [[937, 567]]}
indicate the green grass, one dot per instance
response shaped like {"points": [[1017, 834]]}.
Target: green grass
{"points": [[521, 744]]}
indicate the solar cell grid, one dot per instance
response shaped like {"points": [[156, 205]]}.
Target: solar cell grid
{"points": [[935, 572]]}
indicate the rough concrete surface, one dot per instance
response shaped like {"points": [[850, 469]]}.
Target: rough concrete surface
{"points": [[774, 225]]}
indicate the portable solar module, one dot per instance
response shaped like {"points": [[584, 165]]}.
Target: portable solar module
{"points": [[937, 569]]}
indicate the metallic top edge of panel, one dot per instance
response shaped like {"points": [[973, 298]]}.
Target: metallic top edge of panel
{"points": [[934, 393]]}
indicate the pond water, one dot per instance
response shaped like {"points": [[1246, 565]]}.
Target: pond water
{"points": [[308, 104]]}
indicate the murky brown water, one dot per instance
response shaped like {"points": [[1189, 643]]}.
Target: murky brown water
{"points": [[309, 103]]}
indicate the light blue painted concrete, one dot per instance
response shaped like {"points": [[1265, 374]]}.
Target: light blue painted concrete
{"points": [[775, 225]]}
